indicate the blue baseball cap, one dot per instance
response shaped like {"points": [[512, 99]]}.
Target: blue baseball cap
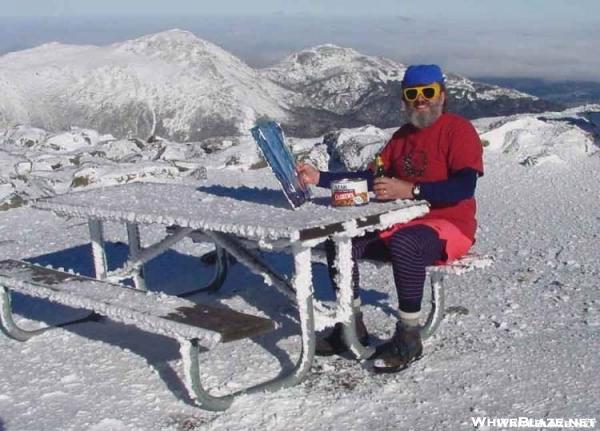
{"points": [[422, 74]]}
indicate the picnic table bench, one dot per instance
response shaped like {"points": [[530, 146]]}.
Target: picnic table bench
{"points": [[191, 324]]}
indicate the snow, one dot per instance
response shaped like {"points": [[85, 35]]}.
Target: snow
{"points": [[519, 338], [56, 85]]}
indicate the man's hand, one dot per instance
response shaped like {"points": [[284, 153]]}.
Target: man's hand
{"points": [[386, 188], [307, 173]]}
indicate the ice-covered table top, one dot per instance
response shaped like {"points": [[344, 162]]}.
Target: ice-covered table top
{"points": [[251, 212]]}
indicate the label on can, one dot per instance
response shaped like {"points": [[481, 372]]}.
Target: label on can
{"points": [[349, 192]]}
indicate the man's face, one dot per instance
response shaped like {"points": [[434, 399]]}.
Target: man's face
{"points": [[422, 112]]}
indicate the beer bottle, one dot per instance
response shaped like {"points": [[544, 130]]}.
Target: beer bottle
{"points": [[379, 168]]}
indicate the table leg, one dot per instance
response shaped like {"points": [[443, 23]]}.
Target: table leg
{"points": [[221, 263], [302, 284], [346, 308], [221, 268], [8, 325], [133, 265], [437, 305], [252, 261], [98, 252], [14, 331], [133, 237]]}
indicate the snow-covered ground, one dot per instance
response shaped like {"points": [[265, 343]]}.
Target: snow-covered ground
{"points": [[519, 339]]}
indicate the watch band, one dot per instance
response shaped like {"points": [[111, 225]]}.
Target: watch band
{"points": [[416, 191]]}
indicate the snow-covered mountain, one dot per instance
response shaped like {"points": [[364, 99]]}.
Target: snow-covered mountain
{"points": [[333, 78], [175, 85], [346, 88], [171, 83]]}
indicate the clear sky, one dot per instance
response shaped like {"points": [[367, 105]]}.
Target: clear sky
{"points": [[553, 39], [519, 10]]}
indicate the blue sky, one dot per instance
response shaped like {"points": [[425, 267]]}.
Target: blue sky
{"points": [[552, 39], [519, 10]]}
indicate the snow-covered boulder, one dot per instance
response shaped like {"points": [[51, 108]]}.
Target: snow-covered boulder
{"points": [[553, 137], [8, 163], [120, 150], [74, 140], [355, 148], [51, 162], [6, 190], [23, 136], [319, 157], [107, 175]]}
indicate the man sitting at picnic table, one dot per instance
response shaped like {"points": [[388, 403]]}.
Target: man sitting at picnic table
{"points": [[437, 157]]}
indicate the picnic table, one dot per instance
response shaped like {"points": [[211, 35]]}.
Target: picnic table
{"points": [[237, 220]]}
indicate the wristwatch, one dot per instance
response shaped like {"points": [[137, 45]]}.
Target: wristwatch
{"points": [[416, 191]]}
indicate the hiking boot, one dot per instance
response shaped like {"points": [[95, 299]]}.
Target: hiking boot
{"points": [[334, 344], [403, 348]]}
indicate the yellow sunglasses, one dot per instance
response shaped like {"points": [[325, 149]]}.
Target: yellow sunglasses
{"points": [[430, 91]]}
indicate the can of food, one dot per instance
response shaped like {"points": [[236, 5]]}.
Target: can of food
{"points": [[349, 192]]}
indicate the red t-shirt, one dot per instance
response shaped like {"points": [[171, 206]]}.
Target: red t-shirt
{"points": [[432, 154]]}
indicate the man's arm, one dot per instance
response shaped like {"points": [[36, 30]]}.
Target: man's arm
{"points": [[459, 186]]}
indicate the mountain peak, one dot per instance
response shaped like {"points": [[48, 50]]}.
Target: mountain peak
{"points": [[175, 35], [321, 56], [330, 72], [174, 43], [332, 49]]}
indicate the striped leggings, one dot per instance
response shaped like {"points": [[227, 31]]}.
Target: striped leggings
{"points": [[410, 251]]}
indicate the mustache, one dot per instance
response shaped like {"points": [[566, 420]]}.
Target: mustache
{"points": [[431, 103]]}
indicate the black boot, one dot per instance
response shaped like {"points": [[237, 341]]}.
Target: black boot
{"points": [[334, 344], [404, 347]]}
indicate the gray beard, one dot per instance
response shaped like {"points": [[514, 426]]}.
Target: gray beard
{"points": [[422, 120]]}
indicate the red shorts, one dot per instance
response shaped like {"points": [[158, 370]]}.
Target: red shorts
{"points": [[457, 243]]}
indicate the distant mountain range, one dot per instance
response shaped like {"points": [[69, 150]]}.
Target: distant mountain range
{"points": [[568, 93], [176, 85]]}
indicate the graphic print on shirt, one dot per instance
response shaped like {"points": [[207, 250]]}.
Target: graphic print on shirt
{"points": [[415, 163]]}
